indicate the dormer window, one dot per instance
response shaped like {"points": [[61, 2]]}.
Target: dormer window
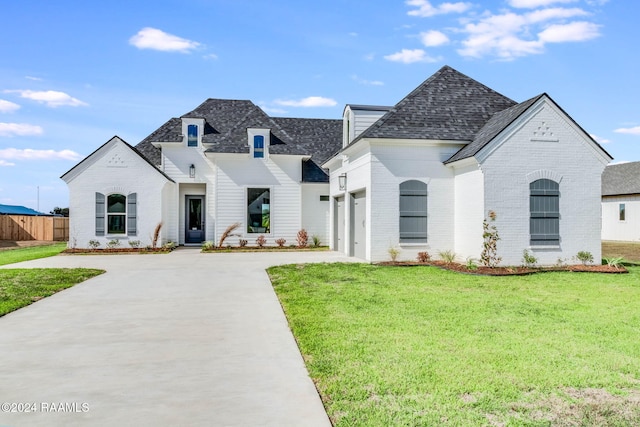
{"points": [[258, 147], [192, 136], [258, 140]]}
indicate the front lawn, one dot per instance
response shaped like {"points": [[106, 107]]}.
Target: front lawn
{"points": [[27, 254], [423, 346], [21, 287]]}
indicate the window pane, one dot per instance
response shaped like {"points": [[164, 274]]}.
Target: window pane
{"points": [[116, 203], [258, 146], [258, 210], [115, 224], [192, 136], [622, 211]]}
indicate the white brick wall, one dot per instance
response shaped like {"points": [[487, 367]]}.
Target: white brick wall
{"points": [[115, 168], [469, 211], [563, 153]]}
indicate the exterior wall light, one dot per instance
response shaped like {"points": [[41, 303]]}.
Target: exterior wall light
{"points": [[342, 181], [192, 171]]}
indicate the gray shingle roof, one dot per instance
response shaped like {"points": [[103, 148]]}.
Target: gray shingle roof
{"points": [[621, 179], [226, 123], [447, 106], [492, 128]]}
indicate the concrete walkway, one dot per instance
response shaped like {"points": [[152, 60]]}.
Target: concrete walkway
{"points": [[184, 339]]}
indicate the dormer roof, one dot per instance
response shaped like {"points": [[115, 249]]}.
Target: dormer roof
{"points": [[225, 131]]}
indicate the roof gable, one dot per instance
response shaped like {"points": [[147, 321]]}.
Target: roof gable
{"points": [[447, 106], [503, 119], [84, 163]]}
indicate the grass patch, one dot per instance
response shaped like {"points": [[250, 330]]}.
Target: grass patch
{"points": [[26, 254], [424, 346], [21, 287]]}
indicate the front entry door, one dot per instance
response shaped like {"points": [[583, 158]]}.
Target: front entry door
{"points": [[194, 219]]}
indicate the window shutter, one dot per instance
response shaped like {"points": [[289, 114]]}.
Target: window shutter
{"points": [[99, 214], [413, 212], [131, 214]]}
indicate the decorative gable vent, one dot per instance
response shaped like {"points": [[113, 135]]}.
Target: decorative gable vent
{"points": [[544, 133]]}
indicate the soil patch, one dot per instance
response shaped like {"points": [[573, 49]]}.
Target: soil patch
{"points": [[578, 407], [508, 271]]}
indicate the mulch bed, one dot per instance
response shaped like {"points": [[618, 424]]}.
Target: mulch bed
{"points": [[116, 251], [508, 271]]}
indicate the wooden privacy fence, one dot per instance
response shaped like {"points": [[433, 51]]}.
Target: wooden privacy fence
{"points": [[27, 227]]}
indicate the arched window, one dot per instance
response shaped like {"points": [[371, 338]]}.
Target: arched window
{"points": [[192, 136], [544, 208], [413, 212], [258, 146]]}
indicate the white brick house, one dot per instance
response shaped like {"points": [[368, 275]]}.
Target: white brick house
{"points": [[426, 173], [222, 163], [419, 176]]}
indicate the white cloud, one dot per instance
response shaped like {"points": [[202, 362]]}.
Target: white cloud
{"points": [[573, 32], [425, 9], [212, 56], [543, 15], [433, 38], [273, 110], [30, 154], [311, 101], [36, 79], [19, 129], [509, 35], [8, 106], [367, 82], [631, 131], [152, 38], [409, 56], [599, 140], [532, 4], [5, 163], [51, 98]]}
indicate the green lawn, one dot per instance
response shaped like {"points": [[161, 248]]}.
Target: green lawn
{"points": [[21, 287], [423, 346], [25, 254]]}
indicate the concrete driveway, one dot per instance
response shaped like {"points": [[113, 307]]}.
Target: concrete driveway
{"points": [[183, 339]]}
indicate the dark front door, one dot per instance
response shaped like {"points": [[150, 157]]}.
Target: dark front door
{"points": [[194, 219]]}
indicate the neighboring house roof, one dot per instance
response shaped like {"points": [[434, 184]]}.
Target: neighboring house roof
{"points": [[621, 179], [226, 123], [19, 210], [446, 106], [134, 149]]}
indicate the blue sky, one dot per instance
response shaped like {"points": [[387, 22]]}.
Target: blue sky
{"points": [[74, 74]]}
